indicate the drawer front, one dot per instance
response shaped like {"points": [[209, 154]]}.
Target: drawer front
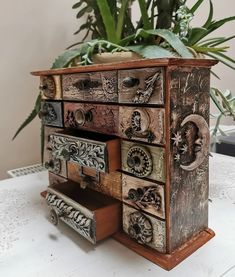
{"points": [[141, 86], [101, 156], [100, 118], [76, 216], [55, 179], [143, 160], [144, 228], [50, 87], [54, 165], [51, 113], [107, 183], [93, 86], [143, 195], [143, 124]]}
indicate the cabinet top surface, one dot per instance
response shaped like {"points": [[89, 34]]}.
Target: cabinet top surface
{"points": [[128, 65]]}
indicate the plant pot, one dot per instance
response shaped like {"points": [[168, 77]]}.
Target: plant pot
{"points": [[115, 57]]}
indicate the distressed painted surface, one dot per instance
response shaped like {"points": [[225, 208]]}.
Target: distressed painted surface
{"points": [[157, 238], [189, 89], [141, 86], [143, 124], [157, 159], [104, 118], [152, 200], [93, 86], [50, 86]]}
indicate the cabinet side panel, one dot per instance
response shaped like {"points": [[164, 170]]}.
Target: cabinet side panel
{"points": [[189, 148]]}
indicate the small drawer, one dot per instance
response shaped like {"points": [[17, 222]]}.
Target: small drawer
{"points": [[143, 124], [92, 86], [50, 87], [96, 151], [56, 179], [143, 161], [90, 213], [100, 118], [54, 165], [51, 113], [143, 195], [144, 228], [107, 183], [141, 86]]}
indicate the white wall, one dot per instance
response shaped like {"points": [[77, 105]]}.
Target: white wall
{"points": [[33, 33]]}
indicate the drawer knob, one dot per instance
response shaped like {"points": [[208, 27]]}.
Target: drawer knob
{"points": [[47, 87], [130, 82], [53, 165], [81, 116], [53, 217], [139, 161]]}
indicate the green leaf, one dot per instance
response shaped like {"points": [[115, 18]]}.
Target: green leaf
{"points": [[202, 49], [210, 16], [121, 18], [171, 38], [222, 41], [32, 115], [144, 14], [65, 58], [108, 20], [196, 34], [196, 6], [217, 24], [42, 142], [86, 9], [217, 57], [151, 51]]}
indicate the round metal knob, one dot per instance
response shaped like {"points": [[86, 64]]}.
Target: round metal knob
{"points": [[82, 116], [130, 82], [139, 161], [65, 154], [53, 165], [53, 217]]}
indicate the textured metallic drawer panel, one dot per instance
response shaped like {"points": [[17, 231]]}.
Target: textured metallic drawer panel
{"points": [[91, 214], [143, 160], [144, 228], [50, 87], [93, 86], [143, 195], [143, 124], [102, 155], [51, 113], [141, 86], [100, 118]]}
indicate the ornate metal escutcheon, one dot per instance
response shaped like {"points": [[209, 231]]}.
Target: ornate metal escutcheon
{"points": [[139, 161], [145, 197], [140, 125], [47, 113], [140, 228], [47, 86]]}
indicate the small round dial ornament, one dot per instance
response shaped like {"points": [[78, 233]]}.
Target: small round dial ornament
{"points": [[139, 121], [47, 87], [139, 161]]}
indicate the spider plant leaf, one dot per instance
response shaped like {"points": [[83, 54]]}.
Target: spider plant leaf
{"points": [[84, 10], [196, 35], [210, 16], [42, 142], [65, 58], [144, 14], [222, 41], [213, 96], [203, 49], [171, 38], [196, 6], [32, 115], [217, 57], [214, 74], [121, 18], [151, 51], [108, 20], [210, 41]]}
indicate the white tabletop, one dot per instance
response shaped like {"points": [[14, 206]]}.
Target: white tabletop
{"points": [[31, 246]]}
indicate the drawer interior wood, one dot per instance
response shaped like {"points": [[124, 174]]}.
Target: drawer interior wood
{"points": [[88, 198]]}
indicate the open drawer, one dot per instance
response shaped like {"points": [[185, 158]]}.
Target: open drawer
{"points": [[91, 214], [97, 151]]}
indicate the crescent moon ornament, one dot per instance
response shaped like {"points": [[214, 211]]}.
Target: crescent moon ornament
{"points": [[202, 141]]}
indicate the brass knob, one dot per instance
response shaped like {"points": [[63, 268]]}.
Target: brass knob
{"points": [[53, 217], [81, 116], [130, 82]]}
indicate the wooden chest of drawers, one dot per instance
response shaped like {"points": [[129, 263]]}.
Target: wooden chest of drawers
{"points": [[126, 145]]}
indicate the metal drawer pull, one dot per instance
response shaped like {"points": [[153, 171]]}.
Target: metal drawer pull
{"points": [[86, 84], [130, 82], [82, 116], [53, 165]]}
